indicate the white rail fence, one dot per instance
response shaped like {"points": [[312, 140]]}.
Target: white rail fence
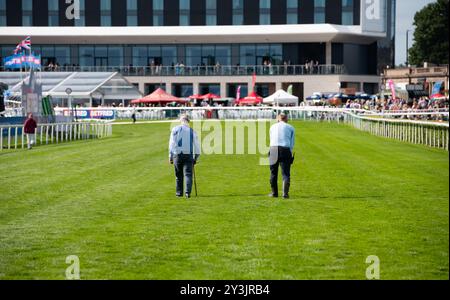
{"points": [[399, 126], [432, 134], [12, 136]]}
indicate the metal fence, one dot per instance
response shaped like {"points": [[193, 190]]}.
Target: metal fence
{"points": [[12, 136]]}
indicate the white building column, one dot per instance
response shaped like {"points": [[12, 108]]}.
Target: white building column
{"points": [[328, 55], [278, 85], [195, 88], [169, 87], [141, 87], [223, 89]]}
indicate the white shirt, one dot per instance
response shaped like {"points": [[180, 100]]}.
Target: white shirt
{"points": [[282, 135], [184, 140]]}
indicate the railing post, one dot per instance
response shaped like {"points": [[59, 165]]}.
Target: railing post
{"points": [[23, 139], [9, 138]]}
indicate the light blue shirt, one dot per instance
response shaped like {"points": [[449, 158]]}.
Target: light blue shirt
{"points": [[282, 135], [184, 140]]}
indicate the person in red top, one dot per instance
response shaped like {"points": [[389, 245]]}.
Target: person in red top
{"points": [[29, 127]]}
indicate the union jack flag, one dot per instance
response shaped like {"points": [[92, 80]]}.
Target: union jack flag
{"points": [[25, 44]]}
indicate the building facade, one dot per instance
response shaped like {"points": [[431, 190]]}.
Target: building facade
{"points": [[200, 46]]}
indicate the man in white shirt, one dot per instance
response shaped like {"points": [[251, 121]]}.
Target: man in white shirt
{"points": [[282, 139], [184, 151]]}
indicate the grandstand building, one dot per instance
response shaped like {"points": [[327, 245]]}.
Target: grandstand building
{"points": [[199, 46]]}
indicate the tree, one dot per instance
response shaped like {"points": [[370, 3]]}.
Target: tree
{"points": [[431, 34]]}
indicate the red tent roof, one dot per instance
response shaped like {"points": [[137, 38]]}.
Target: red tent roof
{"points": [[438, 95], [196, 96], [158, 96], [252, 99], [210, 96]]}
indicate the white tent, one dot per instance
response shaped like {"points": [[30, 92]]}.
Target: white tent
{"points": [[280, 97]]}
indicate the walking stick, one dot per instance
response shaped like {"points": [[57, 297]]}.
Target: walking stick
{"points": [[195, 180]]}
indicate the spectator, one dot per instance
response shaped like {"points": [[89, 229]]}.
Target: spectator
{"points": [[29, 127]]}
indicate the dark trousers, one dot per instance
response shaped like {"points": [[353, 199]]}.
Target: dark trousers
{"points": [[183, 171], [280, 156]]}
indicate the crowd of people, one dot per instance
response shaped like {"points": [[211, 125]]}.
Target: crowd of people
{"points": [[390, 105]]}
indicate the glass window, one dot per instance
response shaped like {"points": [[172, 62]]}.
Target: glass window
{"points": [[53, 5], [211, 12], [264, 4], [158, 13], [2, 12], [247, 55], [86, 55], [292, 12], [115, 56], [185, 4], [131, 5], [105, 11], [264, 12], [154, 51], [185, 12], [347, 12], [158, 5], [238, 12], [276, 54], [48, 51], [169, 55], [132, 20], [81, 20], [27, 12], [27, 4], [193, 55], [105, 20], [319, 11], [53, 13], [140, 56], [105, 4], [62, 55]]}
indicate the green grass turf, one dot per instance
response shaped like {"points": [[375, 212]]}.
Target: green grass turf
{"points": [[111, 202]]}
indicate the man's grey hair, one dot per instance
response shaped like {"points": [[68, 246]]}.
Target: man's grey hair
{"points": [[282, 117], [184, 118]]}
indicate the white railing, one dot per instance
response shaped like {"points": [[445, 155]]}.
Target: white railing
{"points": [[12, 137], [396, 125], [432, 134]]}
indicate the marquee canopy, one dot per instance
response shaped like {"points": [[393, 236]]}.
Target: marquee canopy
{"points": [[158, 96], [108, 85], [281, 97]]}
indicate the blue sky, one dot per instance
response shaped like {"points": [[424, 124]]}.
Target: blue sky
{"points": [[406, 9]]}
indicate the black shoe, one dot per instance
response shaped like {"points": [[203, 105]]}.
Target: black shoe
{"points": [[286, 186], [179, 195], [188, 196], [271, 195]]}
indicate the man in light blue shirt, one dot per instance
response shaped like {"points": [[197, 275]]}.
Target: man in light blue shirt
{"points": [[282, 140], [184, 151]]}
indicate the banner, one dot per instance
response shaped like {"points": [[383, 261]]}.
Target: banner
{"points": [[392, 87], [253, 82], [83, 113], [18, 61], [374, 16], [437, 88], [289, 89]]}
